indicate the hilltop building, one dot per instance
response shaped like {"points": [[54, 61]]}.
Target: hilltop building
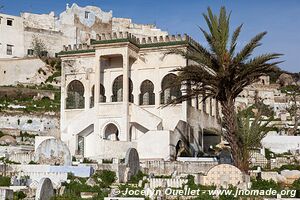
{"points": [[76, 25]]}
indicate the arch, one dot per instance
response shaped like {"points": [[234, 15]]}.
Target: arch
{"points": [[75, 95], [118, 90], [111, 132], [147, 97], [169, 91]]}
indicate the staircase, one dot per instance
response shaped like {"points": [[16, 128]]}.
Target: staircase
{"points": [[82, 123], [144, 118]]}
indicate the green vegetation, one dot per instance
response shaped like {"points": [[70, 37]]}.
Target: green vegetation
{"points": [[265, 185], [104, 178], [2, 134], [4, 181], [87, 160], [41, 71], [136, 178], [252, 127], [7, 161], [19, 195], [270, 154], [42, 105], [289, 167], [32, 162], [77, 185], [296, 186], [108, 161], [51, 78]]}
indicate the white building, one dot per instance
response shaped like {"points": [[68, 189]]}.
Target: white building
{"points": [[76, 25], [112, 95], [11, 36]]}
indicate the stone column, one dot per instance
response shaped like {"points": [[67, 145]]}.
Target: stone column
{"points": [[87, 95], [184, 103], [97, 79], [125, 135], [97, 91]]}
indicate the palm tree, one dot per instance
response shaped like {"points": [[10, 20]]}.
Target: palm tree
{"points": [[253, 124], [221, 72]]}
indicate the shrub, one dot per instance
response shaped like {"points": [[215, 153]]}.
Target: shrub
{"points": [[296, 186], [32, 162], [19, 195], [105, 178], [4, 181], [265, 185], [29, 121], [289, 167]]}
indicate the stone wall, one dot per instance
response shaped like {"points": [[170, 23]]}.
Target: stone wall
{"points": [[281, 144], [24, 71], [34, 124], [167, 182], [167, 168], [23, 158]]}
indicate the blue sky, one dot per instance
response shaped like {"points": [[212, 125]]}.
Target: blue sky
{"points": [[281, 18]]}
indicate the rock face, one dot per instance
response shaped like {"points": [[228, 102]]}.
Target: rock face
{"points": [[45, 190], [53, 152], [285, 79]]}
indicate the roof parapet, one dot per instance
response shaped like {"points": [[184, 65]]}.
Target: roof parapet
{"points": [[77, 47], [126, 36]]}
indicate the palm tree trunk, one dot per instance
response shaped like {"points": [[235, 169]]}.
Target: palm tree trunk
{"points": [[230, 135]]}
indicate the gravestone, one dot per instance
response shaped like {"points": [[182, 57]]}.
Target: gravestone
{"points": [[45, 190], [132, 161], [53, 152]]}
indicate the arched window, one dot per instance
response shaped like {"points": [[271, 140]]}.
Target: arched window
{"points": [[102, 97], [118, 90], [169, 90], [147, 97], [92, 98], [111, 132], [75, 95]]}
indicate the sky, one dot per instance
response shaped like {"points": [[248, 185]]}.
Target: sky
{"points": [[280, 18]]}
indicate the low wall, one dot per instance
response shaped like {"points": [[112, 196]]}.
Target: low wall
{"points": [[280, 143], [81, 171], [55, 177], [167, 182], [23, 70], [168, 167], [23, 158], [36, 124]]}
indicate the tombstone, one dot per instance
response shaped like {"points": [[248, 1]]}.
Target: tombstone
{"points": [[45, 190], [53, 152], [132, 161], [91, 182]]}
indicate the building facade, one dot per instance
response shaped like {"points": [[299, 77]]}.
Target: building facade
{"points": [[75, 25], [113, 94]]}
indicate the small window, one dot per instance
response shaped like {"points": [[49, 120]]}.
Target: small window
{"points": [[4, 72], [86, 14], [30, 52], [9, 49], [9, 22], [44, 53]]}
